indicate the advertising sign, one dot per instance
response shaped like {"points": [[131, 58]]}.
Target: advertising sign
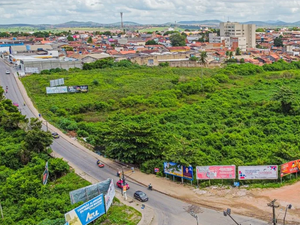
{"points": [[290, 167], [156, 170], [57, 82], [173, 169], [215, 172], [187, 172], [258, 172], [87, 212], [178, 170], [78, 89], [110, 195], [56, 90], [45, 174]]}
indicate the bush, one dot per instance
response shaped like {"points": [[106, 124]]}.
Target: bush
{"points": [[148, 166], [221, 78], [82, 133]]}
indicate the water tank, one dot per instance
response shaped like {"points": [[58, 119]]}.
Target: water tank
{"points": [[28, 47], [14, 38]]}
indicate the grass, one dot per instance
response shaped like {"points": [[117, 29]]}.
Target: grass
{"points": [[120, 214]]}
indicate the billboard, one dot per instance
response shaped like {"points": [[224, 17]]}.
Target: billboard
{"points": [[215, 172], [175, 169], [290, 167], [87, 212], [187, 172], [258, 172], [77, 89], [45, 174], [109, 196], [56, 90], [57, 82]]}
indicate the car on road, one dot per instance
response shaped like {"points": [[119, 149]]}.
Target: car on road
{"points": [[141, 196], [15, 104], [7, 72], [55, 135], [120, 184]]}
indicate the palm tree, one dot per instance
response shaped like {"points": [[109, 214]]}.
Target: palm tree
{"points": [[203, 57]]}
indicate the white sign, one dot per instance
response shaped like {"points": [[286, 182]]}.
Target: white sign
{"points": [[56, 90], [32, 70], [57, 82], [110, 195], [258, 172]]}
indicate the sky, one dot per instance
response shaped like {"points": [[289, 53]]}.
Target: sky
{"points": [[146, 11]]}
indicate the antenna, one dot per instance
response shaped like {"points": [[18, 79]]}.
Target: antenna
{"points": [[122, 27]]}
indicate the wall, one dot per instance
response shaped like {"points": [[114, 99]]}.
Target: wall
{"points": [[49, 64], [144, 60]]}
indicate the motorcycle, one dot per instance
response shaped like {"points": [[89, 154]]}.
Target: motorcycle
{"points": [[150, 187], [99, 164]]}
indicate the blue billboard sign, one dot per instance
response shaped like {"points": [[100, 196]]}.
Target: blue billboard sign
{"points": [[177, 170], [87, 212]]}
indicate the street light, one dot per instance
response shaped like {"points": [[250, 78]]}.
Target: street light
{"points": [[227, 213], [289, 206]]}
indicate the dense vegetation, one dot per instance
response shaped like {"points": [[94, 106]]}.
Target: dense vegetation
{"points": [[241, 114], [24, 199]]}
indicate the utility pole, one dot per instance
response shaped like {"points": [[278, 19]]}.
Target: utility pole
{"points": [[272, 204], [289, 206]]}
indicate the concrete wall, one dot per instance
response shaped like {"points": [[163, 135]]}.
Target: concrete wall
{"points": [[49, 64]]}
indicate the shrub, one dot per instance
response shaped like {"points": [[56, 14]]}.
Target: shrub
{"points": [[221, 78]]}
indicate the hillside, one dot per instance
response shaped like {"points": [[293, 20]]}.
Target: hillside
{"points": [[147, 115]]}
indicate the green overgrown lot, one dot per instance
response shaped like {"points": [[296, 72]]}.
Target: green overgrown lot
{"points": [[240, 114]]}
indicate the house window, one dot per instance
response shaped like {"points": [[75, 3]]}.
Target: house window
{"points": [[150, 61]]}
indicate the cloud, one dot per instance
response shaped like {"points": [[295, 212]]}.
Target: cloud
{"points": [[146, 11]]}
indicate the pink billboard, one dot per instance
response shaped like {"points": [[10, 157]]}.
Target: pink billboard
{"points": [[215, 172]]}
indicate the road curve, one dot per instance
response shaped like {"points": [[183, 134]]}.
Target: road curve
{"points": [[169, 211]]}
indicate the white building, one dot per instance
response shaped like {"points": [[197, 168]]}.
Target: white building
{"points": [[214, 38], [233, 29]]}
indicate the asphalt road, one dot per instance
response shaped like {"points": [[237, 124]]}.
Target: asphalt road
{"points": [[169, 211]]}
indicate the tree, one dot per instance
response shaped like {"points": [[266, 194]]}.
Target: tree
{"points": [[37, 141], [151, 42], [177, 40], [242, 60], [278, 42], [90, 40], [260, 30], [286, 98], [203, 58], [238, 51], [107, 33], [70, 38], [194, 58]]}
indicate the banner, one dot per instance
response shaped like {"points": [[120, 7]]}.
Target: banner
{"points": [[110, 195], [87, 212], [215, 172], [78, 89], [56, 90], [290, 167], [258, 172], [45, 174], [173, 169]]}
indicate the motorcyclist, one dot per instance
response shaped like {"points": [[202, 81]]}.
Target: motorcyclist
{"points": [[118, 173], [150, 187], [98, 162]]}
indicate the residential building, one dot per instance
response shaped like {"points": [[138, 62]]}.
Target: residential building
{"points": [[234, 29]]}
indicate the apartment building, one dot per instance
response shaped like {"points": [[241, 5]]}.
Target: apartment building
{"points": [[234, 29], [214, 38]]}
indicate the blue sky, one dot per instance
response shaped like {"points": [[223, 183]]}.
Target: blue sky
{"points": [[146, 11]]}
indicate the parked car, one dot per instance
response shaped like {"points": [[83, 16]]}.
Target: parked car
{"points": [[7, 72], [120, 184], [15, 104], [141, 196], [55, 135]]}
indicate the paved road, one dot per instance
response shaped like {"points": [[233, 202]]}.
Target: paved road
{"points": [[169, 211]]}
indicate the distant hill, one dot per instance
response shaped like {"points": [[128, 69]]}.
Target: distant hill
{"points": [[213, 23], [204, 22]]}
